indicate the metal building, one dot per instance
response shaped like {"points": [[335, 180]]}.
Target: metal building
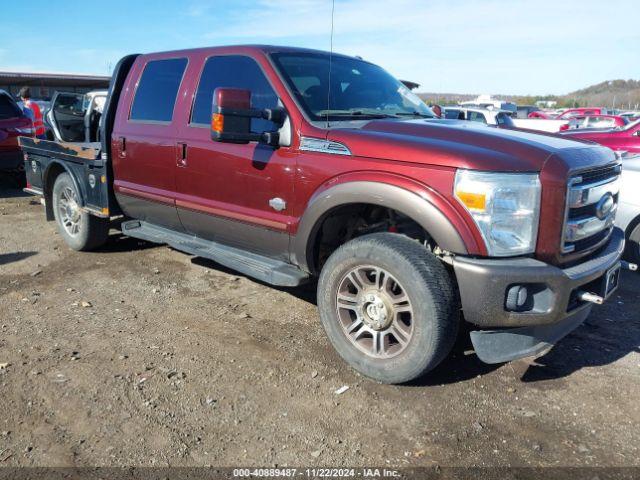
{"points": [[43, 85]]}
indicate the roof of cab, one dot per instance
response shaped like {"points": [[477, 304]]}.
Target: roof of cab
{"points": [[256, 48]]}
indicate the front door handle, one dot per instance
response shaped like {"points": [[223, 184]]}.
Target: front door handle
{"points": [[181, 154], [123, 146]]}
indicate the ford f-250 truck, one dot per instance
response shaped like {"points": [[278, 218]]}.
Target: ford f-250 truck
{"points": [[289, 164]]}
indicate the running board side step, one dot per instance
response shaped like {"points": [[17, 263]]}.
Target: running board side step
{"points": [[265, 269]]}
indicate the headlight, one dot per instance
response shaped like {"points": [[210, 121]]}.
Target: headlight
{"points": [[504, 206]]}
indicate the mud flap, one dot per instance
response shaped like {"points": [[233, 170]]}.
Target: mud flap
{"points": [[504, 345]]}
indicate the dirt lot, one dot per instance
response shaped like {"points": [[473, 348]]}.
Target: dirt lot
{"points": [[141, 355]]}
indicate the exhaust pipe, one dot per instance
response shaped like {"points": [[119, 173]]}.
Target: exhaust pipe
{"points": [[629, 266], [590, 297]]}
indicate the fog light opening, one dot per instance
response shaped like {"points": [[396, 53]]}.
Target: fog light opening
{"points": [[517, 297]]}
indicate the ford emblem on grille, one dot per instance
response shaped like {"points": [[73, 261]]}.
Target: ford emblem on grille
{"points": [[604, 206]]}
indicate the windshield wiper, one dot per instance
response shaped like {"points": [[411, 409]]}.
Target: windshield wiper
{"points": [[355, 113], [414, 114]]}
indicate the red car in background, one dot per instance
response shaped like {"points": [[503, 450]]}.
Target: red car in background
{"points": [[540, 114], [581, 112], [624, 139], [598, 121], [13, 123], [570, 113]]}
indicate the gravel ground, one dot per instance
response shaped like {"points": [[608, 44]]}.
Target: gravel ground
{"points": [[141, 355]]}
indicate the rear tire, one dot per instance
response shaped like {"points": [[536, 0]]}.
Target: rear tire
{"points": [[388, 307], [632, 249], [81, 230]]}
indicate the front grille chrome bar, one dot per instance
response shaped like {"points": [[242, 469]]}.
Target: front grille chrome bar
{"points": [[586, 221], [582, 195], [580, 229]]}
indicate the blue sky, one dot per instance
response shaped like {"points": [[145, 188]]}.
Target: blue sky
{"points": [[463, 46]]}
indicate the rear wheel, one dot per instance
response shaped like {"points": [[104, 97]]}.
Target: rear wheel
{"points": [[388, 307], [81, 230], [632, 250]]}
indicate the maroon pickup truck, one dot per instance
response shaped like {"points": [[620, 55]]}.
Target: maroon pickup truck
{"points": [[291, 165]]}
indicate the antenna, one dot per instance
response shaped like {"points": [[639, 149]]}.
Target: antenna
{"points": [[333, 6]]}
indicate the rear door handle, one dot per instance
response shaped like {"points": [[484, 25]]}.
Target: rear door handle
{"points": [[181, 154]]}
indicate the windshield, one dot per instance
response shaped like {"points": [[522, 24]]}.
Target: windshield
{"points": [[358, 89], [630, 125]]}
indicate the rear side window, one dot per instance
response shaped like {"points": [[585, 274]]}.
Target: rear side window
{"points": [[9, 108], [234, 71], [157, 90]]}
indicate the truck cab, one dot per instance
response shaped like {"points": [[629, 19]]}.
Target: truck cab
{"points": [[294, 165]]}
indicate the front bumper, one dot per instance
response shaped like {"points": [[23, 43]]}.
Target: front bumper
{"points": [[554, 309], [484, 283]]}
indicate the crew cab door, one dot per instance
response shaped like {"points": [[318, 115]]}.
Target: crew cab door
{"points": [[236, 194], [66, 116], [143, 140]]}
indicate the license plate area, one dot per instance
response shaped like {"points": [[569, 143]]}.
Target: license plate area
{"points": [[603, 286], [610, 281]]}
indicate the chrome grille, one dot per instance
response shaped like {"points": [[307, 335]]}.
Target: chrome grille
{"points": [[592, 202]]}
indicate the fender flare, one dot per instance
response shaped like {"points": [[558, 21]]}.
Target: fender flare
{"points": [[420, 208], [48, 189]]}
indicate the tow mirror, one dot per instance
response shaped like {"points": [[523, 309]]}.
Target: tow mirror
{"points": [[231, 116]]}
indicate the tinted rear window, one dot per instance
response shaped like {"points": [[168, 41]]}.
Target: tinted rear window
{"points": [[9, 108], [157, 90]]}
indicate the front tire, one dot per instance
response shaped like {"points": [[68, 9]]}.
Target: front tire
{"points": [[388, 307], [80, 230]]}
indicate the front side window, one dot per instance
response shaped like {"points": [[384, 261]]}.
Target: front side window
{"points": [[234, 71], [354, 89], [157, 90]]}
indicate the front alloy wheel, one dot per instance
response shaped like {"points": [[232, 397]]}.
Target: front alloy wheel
{"points": [[374, 311]]}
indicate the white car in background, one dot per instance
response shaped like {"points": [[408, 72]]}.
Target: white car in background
{"points": [[503, 118], [628, 216], [75, 117], [492, 117]]}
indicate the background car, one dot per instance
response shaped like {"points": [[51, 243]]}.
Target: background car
{"points": [[597, 121], [491, 117], [75, 117], [580, 112], [540, 114], [621, 139], [13, 123], [524, 111], [628, 216]]}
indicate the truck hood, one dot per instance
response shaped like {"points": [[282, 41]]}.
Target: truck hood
{"points": [[464, 144]]}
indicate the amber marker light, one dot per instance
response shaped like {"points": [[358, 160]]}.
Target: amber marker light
{"points": [[217, 122]]}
